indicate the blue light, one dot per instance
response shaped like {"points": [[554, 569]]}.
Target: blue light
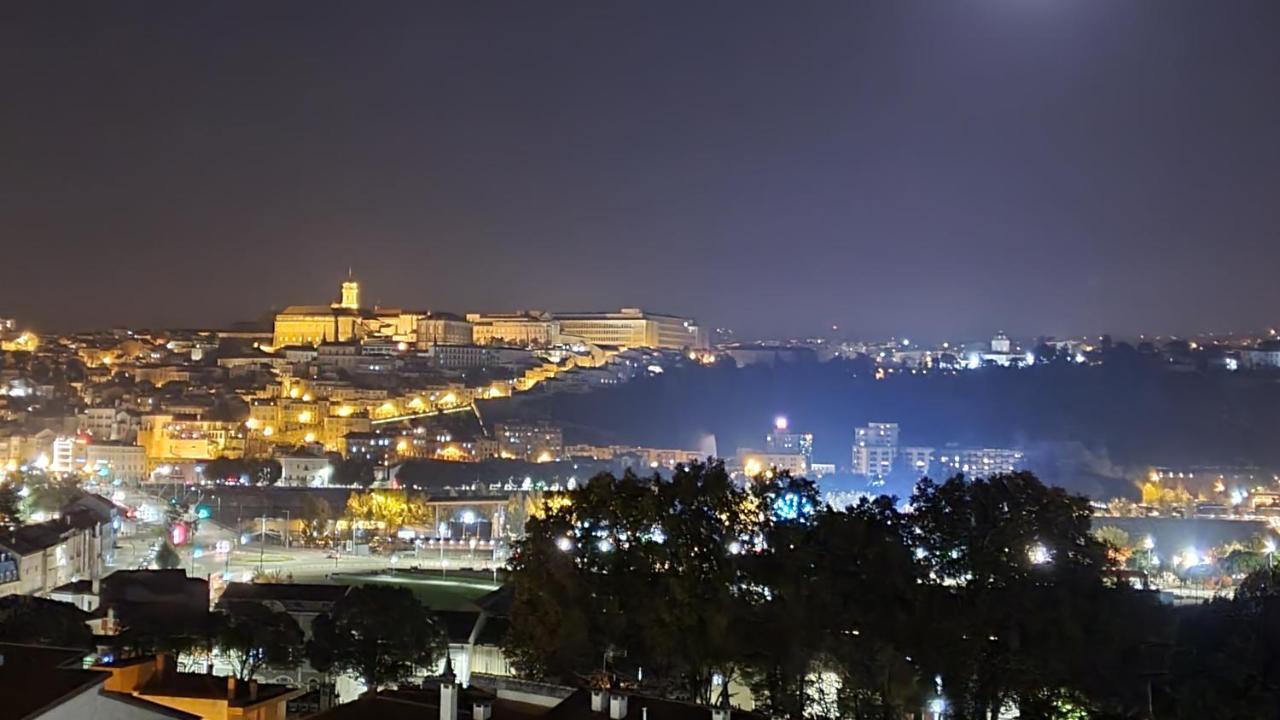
{"points": [[790, 506]]}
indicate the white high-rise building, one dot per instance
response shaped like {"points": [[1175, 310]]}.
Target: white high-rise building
{"points": [[874, 448]]}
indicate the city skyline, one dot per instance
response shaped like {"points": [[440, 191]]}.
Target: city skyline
{"points": [[1041, 168]]}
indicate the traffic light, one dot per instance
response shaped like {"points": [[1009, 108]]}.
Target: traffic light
{"points": [[203, 512]]}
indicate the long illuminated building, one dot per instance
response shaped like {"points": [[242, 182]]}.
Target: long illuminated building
{"points": [[633, 328]]}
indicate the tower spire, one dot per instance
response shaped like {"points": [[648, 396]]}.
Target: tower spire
{"points": [[350, 297]]}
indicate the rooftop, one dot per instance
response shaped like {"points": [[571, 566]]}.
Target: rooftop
{"points": [[578, 707], [34, 678], [419, 704], [200, 685], [317, 310], [29, 539], [283, 592]]}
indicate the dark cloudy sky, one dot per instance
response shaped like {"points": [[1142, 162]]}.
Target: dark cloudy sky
{"points": [[929, 168]]}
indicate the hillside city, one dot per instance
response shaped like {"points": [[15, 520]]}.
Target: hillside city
{"points": [[266, 476], [695, 360]]}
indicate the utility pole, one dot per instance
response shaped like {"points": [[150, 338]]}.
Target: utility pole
{"points": [[262, 541]]}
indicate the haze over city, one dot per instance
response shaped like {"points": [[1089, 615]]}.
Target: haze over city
{"points": [[1058, 168], [698, 360]]}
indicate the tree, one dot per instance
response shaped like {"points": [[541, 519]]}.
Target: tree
{"points": [[226, 469], [838, 593], [10, 505], [381, 634], [266, 472], [641, 566], [167, 558], [1119, 544], [1261, 585], [1014, 567], [1245, 562], [629, 573], [997, 589], [316, 515], [1113, 536], [48, 493], [390, 508], [355, 472], [27, 619], [147, 632], [253, 636]]}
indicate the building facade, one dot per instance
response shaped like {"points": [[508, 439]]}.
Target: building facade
{"points": [[443, 329], [981, 462], [633, 328], [519, 329], [117, 460], [535, 442], [874, 449]]}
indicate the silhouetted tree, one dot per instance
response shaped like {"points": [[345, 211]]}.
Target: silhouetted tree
{"points": [[380, 634], [252, 636], [10, 504], [167, 558], [353, 471], [26, 619]]}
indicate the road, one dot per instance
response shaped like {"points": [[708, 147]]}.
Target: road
{"points": [[201, 556]]}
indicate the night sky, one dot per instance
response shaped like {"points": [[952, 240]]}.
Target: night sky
{"points": [[934, 169]]}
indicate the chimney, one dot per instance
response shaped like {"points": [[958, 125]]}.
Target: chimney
{"points": [[253, 689], [482, 710], [164, 665], [231, 687], [599, 698], [617, 707], [448, 700]]}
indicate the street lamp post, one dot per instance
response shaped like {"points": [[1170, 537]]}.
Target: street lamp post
{"points": [[262, 542]]}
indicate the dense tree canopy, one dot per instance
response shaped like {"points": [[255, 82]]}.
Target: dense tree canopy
{"points": [[987, 595], [167, 558], [10, 504], [252, 636], [380, 634], [25, 619]]}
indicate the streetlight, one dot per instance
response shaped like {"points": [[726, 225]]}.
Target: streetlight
{"points": [[1269, 546], [1038, 554]]}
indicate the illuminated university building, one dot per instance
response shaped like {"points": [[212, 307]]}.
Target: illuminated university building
{"points": [[632, 328], [343, 321], [520, 329]]}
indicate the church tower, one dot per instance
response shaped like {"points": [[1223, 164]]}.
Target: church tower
{"points": [[350, 294]]}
